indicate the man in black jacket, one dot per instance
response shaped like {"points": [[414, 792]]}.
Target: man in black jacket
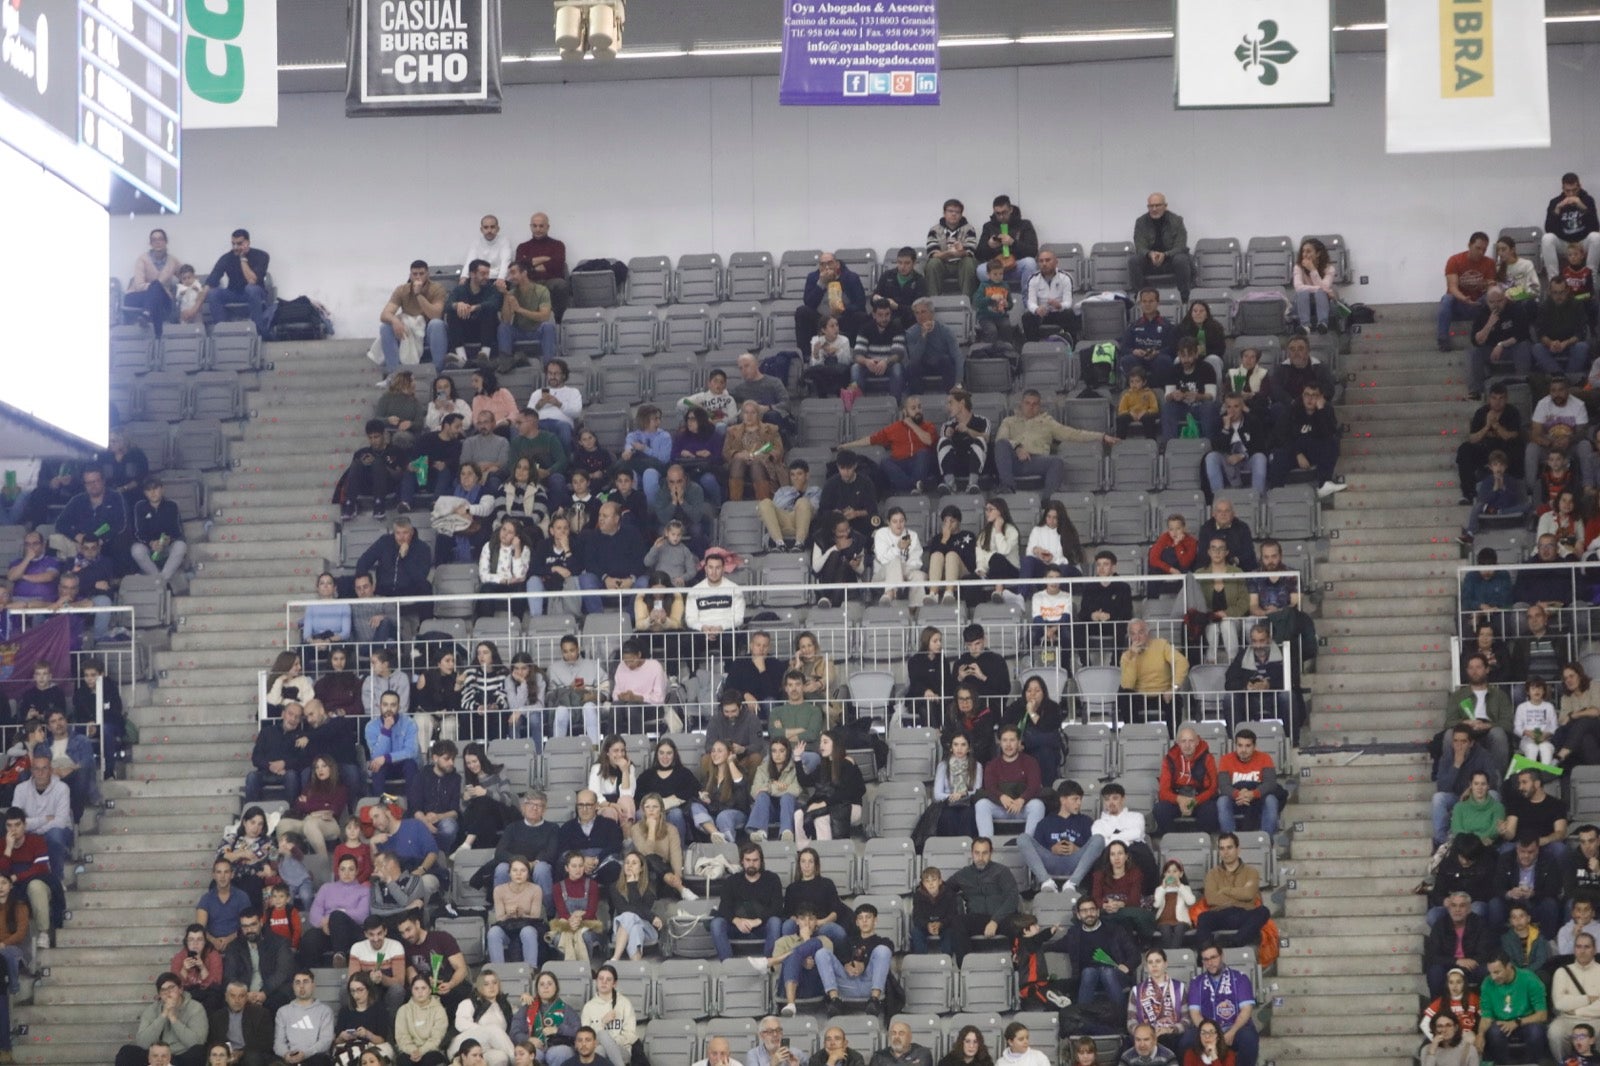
{"points": [[533, 839], [1225, 525], [1458, 938], [596, 839], [1238, 453], [263, 964], [859, 967], [280, 755], [902, 287], [1532, 879], [158, 545], [751, 905], [1570, 218], [1085, 943], [1010, 238], [1160, 246], [612, 557], [245, 1025], [1309, 440], [400, 562]]}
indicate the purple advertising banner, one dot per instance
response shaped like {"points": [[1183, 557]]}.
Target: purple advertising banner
{"points": [[860, 52], [49, 642]]}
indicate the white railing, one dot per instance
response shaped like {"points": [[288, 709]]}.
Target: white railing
{"points": [[119, 658], [852, 648], [1572, 620]]}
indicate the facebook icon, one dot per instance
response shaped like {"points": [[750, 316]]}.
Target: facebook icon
{"points": [[855, 83]]}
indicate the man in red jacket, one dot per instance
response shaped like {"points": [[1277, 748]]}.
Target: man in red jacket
{"points": [[1188, 786], [25, 858]]}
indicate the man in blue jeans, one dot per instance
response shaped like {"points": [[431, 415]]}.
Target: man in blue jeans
{"points": [[526, 314], [1061, 845], [859, 968], [239, 274], [1467, 276], [421, 298], [751, 906], [1103, 955]]}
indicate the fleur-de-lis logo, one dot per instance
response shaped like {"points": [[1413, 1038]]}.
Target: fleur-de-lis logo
{"points": [[1261, 53]]}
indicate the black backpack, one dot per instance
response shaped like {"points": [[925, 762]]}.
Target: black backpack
{"points": [[296, 320]]}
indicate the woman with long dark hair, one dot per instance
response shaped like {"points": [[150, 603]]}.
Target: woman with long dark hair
{"points": [[837, 793], [197, 964], [775, 791], [483, 693], [489, 802], [1039, 718]]}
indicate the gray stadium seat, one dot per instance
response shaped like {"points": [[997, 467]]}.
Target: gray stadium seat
{"points": [[793, 266], [673, 376], [455, 579], [955, 311], [779, 325], [1103, 320], [839, 863], [1091, 752], [750, 276], [619, 378], [672, 1042], [1218, 264], [133, 350], [1269, 261], [864, 261], [199, 445], [739, 991], [1141, 748], [1183, 464], [1194, 850], [1048, 366], [150, 599], [1108, 266], [610, 422], [889, 865], [1071, 258], [1125, 518], [896, 806], [913, 751], [1527, 238], [864, 1032], [1260, 314], [183, 347], [929, 983], [927, 1030], [686, 326], [1210, 689], [592, 288], [1292, 513], [988, 983], [740, 326], [698, 279], [216, 394], [635, 330], [1085, 467], [162, 397], [649, 280], [583, 332], [1097, 692], [1134, 465], [235, 347], [821, 422]]}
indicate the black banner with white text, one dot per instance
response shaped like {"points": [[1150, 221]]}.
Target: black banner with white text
{"points": [[414, 57]]}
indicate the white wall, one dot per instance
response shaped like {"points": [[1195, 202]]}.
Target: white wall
{"points": [[669, 167]]}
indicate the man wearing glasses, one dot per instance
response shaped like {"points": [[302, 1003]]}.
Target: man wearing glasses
{"points": [[1223, 995], [771, 1049], [1160, 246]]}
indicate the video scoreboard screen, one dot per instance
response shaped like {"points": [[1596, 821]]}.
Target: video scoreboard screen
{"points": [[106, 77]]}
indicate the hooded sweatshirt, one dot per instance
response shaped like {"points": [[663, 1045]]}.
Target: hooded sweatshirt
{"points": [[1196, 776], [1019, 233]]}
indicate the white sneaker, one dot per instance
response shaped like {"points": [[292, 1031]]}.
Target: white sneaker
{"points": [[787, 836], [788, 1010], [688, 893], [1061, 1002], [41, 941], [381, 383], [757, 963], [717, 837], [758, 836], [1328, 488], [1049, 885]]}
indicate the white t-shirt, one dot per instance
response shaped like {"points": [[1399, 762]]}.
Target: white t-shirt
{"points": [[362, 952], [1042, 536], [1127, 827], [1572, 413], [1052, 606]]}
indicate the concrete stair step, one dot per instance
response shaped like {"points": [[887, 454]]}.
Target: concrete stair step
{"points": [[1365, 933], [1365, 738], [1389, 829], [1354, 602], [197, 788], [1319, 770], [235, 638], [1391, 1050], [129, 982], [1359, 811], [1329, 762], [313, 486], [1420, 412], [279, 551], [276, 529], [118, 842], [1348, 721], [182, 734], [1327, 1022], [254, 577], [239, 501], [140, 873], [220, 752], [84, 1041], [1419, 498], [159, 931], [1399, 961], [193, 706], [1417, 568], [222, 807], [1297, 905], [1392, 850], [237, 603], [1364, 683], [1356, 657], [202, 660], [66, 1016], [1379, 874], [1351, 985], [1421, 550], [1368, 628], [1322, 790], [239, 680], [1376, 701]]}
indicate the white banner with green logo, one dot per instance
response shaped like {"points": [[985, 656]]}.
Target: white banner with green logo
{"points": [[1254, 53], [230, 63], [1467, 75]]}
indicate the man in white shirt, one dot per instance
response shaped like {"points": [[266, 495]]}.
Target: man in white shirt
{"points": [[381, 958], [1049, 300], [558, 404], [1117, 822], [714, 607], [1575, 995], [718, 1053], [492, 246], [1558, 408]]}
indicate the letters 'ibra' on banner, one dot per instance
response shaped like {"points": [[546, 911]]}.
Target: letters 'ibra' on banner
{"points": [[1467, 75], [230, 64], [856, 52], [423, 57], [1253, 53]]}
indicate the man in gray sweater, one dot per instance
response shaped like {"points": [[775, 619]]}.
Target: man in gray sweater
{"points": [[173, 1020], [303, 1030], [988, 888]]}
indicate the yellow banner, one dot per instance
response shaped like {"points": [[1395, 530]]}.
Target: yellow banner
{"points": [[1466, 49]]}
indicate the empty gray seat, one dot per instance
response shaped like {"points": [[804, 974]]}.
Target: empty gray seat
{"points": [[133, 350], [1108, 266], [162, 397], [184, 346], [583, 332], [698, 279], [750, 276], [739, 326], [955, 311], [216, 394], [619, 378], [1269, 261], [1134, 465], [1103, 320], [649, 280], [686, 327], [1218, 263], [1183, 463], [793, 266], [592, 288], [235, 347], [635, 330]]}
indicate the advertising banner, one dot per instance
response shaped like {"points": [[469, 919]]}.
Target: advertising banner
{"points": [[860, 52], [1254, 53], [1467, 75], [230, 64], [416, 57]]}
